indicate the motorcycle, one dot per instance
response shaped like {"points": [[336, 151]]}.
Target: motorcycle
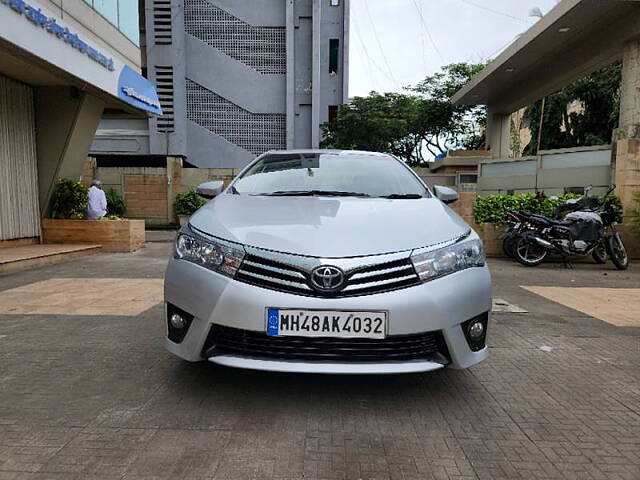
{"points": [[516, 222], [589, 229]]}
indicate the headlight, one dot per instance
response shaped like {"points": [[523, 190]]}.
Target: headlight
{"points": [[430, 264], [217, 255]]}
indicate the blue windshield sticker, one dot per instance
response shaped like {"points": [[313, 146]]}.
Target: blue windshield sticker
{"points": [[273, 322]]}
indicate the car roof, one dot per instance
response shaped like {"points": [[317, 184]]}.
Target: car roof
{"points": [[330, 151]]}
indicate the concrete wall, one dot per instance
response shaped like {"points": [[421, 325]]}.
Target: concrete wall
{"points": [[551, 171]]}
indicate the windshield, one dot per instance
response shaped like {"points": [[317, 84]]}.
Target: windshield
{"points": [[330, 174]]}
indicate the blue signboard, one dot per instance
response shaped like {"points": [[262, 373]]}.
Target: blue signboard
{"points": [[136, 90]]}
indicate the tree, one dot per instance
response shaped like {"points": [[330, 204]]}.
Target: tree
{"points": [[412, 124], [599, 94], [378, 122]]}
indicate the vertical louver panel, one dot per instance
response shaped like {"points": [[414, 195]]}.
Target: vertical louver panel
{"points": [[19, 205], [164, 85], [162, 22]]}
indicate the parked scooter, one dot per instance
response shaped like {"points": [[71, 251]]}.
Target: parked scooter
{"points": [[587, 230]]}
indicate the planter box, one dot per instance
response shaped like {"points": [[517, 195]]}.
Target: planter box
{"points": [[113, 235]]}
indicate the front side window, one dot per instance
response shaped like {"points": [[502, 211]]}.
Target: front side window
{"points": [[329, 173]]}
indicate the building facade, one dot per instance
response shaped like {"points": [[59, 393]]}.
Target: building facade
{"points": [[61, 65], [235, 78]]}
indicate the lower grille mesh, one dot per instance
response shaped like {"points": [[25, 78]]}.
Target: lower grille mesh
{"points": [[226, 340]]}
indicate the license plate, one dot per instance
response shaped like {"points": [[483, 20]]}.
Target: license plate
{"points": [[326, 323]]}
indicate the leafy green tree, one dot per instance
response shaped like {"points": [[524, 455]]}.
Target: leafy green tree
{"points": [[410, 125], [448, 126]]}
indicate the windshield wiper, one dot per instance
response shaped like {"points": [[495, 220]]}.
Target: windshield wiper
{"points": [[402, 196], [315, 193]]}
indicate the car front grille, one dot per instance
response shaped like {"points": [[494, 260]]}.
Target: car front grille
{"points": [[291, 274], [224, 340]]}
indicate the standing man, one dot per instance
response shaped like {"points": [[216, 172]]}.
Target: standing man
{"points": [[97, 207]]}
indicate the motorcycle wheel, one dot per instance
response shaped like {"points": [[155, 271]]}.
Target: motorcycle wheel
{"points": [[617, 252], [507, 247], [599, 254], [529, 254]]}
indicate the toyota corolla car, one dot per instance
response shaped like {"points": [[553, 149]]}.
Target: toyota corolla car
{"points": [[328, 262]]}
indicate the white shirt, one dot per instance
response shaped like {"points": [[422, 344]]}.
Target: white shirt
{"points": [[97, 207]]}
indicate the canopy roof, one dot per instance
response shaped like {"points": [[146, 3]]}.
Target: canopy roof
{"points": [[576, 38]]}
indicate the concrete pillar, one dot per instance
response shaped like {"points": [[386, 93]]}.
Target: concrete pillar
{"points": [[174, 183], [627, 175], [498, 134], [630, 91], [66, 122], [627, 166]]}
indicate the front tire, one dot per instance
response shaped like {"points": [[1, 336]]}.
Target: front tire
{"points": [[507, 247], [617, 251], [599, 254], [528, 253]]}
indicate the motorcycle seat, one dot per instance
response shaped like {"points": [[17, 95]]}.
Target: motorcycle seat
{"points": [[549, 222]]}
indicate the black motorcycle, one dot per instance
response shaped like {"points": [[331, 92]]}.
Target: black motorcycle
{"points": [[588, 230]]}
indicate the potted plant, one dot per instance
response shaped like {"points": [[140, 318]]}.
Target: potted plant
{"points": [[186, 204]]}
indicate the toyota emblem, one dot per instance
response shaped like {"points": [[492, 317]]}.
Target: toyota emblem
{"points": [[327, 278]]}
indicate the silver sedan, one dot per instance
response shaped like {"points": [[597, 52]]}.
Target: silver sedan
{"points": [[328, 262]]}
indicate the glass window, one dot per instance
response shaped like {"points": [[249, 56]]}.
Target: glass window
{"points": [[334, 3], [373, 175], [334, 55], [108, 9], [121, 13], [129, 24]]}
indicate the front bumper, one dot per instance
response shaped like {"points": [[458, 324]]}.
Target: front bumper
{"points": [[440, 305]]}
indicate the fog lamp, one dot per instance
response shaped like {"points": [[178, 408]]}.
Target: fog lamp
{"points": [[476, 330], [177, 321]]}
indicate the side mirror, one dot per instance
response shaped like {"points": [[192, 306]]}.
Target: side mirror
{"points": [[446, 194], [210, 189]]}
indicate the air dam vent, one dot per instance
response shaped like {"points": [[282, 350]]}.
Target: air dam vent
{"points": [[224, 340]]}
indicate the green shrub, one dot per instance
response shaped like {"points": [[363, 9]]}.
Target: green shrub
{"points": [[115, 203], [188, 202], [70, 199], [494, 208]]}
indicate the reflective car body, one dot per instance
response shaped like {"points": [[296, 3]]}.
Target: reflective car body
{"points": [[281, 280]]}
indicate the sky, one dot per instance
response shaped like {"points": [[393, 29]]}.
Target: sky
{"points": [[393, 45]]}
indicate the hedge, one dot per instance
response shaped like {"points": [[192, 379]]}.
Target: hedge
{"points": [[494, 208]]}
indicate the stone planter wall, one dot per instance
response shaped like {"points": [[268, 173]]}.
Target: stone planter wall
{"points": [[113, 235]]}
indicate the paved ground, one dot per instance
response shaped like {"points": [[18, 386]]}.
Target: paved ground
{"points": [[97, 397]]}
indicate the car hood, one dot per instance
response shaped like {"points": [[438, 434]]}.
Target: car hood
{"points": [[329, 227]]}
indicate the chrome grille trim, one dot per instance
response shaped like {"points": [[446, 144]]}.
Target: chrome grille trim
{"points": [[276, 269], [382, 283], [304, 286], [358, 276], [292, 273]]}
